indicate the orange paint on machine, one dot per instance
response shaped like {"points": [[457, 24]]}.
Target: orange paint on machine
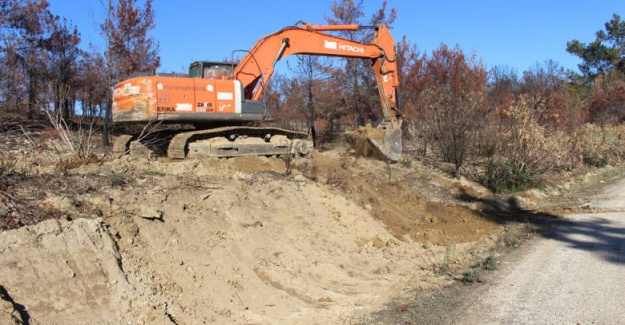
{"points": [[224, 100], [149, 97]]}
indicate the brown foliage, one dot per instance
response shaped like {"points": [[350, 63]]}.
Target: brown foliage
{"points": [[413, 73], [455, 103], [523, 140], [131, 49], [607, 103], [543, 89]]}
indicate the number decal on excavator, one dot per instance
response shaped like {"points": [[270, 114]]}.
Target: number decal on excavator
{"points": [[205, 104], [204, 107]]}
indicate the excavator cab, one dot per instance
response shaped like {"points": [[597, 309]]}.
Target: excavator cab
{"points": [[211, 70]]}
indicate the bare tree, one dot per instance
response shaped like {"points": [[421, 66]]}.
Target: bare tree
{"points": [[455, 103], [63, 60], [543, 85], [91, 93], [30, 23]]}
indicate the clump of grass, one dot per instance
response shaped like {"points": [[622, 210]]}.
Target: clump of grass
{"points": [[8, 167], [151, 172], [117, 180], [446, 265], [474, 274], [490, 263], [471, 276], [515, 235]]}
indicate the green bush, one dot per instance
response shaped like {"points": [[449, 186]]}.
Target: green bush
{"points": [[507, 176], [593, 159]]}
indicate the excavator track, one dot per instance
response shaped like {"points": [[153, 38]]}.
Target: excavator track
{"points": [[223, 142]]}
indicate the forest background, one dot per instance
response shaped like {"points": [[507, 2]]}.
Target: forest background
{"points": [[505, 129]]}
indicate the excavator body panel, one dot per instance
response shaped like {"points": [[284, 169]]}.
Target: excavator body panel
{"points": [[182, 100]]}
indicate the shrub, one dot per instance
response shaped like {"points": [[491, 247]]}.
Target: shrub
{"points": [[593, 159], [524, 141], [507, 176], [597, 146]]}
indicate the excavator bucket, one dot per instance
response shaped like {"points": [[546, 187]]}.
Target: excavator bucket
{"points": [[383, 142]]}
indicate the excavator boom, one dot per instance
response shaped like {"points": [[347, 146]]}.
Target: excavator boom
{"points": [[257, 67]]}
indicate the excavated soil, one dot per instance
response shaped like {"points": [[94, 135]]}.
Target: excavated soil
{"points": [[227, 241]]}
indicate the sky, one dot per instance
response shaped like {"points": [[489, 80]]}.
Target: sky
{"points": [[517, 34]]}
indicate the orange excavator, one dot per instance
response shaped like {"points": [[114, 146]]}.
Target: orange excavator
{"points": [[224, 101]]}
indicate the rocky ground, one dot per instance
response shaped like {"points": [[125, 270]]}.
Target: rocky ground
{"points": [[150, 241]]}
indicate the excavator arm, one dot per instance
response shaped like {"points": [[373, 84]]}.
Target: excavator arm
{"points": [[257, 67]]}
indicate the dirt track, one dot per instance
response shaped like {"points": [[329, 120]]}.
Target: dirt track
{"points": [[231, 241], [573, 276]]}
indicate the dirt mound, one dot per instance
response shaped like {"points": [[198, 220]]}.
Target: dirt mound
{"points": [[70, 272], [234, 241], [415, 202]]}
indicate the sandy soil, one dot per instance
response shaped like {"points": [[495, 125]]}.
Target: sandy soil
{"points": [[229, 241]]}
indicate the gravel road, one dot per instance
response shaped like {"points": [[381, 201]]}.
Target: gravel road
{"points": [[573, 275]]}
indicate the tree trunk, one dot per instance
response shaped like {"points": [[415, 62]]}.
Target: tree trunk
{"points": [[105, 125], [65, 108], [32, 84]]}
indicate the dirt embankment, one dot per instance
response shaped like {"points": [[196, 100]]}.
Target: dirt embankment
{"points": [[232, 241]]}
